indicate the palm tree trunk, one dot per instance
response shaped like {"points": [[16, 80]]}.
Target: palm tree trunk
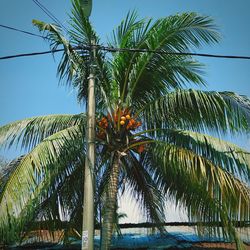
{"points": [[110, 205]]}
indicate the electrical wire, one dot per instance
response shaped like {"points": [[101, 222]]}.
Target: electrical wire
{"points": [[48, 13], [31, 54], [133, 50], [161, 52], [112, 49], [22, 31]]}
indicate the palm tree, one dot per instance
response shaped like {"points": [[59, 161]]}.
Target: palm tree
{"points": [[152, 134]]}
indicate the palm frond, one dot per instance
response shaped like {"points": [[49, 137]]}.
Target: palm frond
{"points": [[122, 36], [219, 182], [238, 102], [30, 132], [54, 34], [143, 187], [73, 63], [7, 170], [82, 32], [36, 169], [127, 35], [229, 156], [195, 110], [60, 201], [212, 196], [136, 72]]}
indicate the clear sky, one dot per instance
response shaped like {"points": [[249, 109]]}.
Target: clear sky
{"points": [[29, 86]]}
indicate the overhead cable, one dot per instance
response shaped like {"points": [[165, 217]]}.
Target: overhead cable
{"points": [[132, 50], [48, 13], [31, 54], [112, 49], [22, 31]]}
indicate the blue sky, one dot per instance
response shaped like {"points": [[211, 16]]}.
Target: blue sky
{"points": [[29, 86]]}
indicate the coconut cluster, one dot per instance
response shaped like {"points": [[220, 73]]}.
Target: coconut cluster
{"points": [[103, 123], [123, 118], [130, 123]]}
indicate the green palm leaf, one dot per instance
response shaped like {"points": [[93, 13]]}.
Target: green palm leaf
{"points": [[220, 183], [32, 131], [209, 193], [68, 67], [143, 188], [172, 34], [35, 172], [6, 171], [228, 155], [238, 102], [196, 110]]}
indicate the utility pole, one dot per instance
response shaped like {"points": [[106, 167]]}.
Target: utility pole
{"points": [[89, 181]]}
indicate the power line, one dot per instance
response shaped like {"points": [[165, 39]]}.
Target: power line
{"points": [[112, 49], [48, 13], [21, 31], [31, 54]]}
